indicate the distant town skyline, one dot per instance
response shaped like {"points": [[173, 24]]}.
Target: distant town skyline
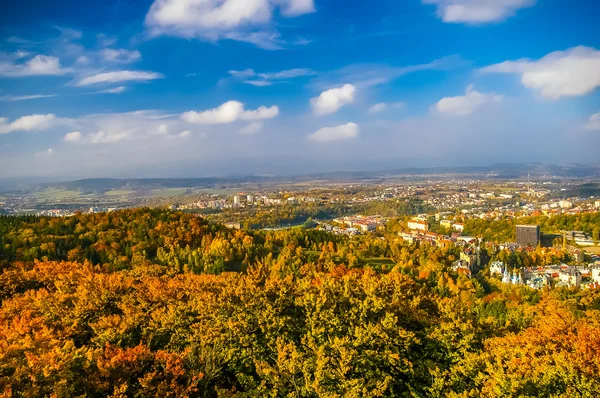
{"points": [[222, 87]]}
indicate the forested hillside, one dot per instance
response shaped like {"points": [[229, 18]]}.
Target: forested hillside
{"points": [[158, 303]]}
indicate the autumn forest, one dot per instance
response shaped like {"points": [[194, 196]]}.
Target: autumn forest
{"points": [[158, 303]]}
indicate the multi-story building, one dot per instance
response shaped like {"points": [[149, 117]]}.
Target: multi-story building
{"points": [[528, 235], [570, 277], [565, 204], [497, 268], [418, 225], [446, 223]]}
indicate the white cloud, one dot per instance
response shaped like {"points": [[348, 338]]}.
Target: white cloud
{"points": [[162, 129], [478, 11], [465, 105], [38, 65], [242, 74], [118, 76], [594, 122], [116, 90], [46, 153], [185, 134], [107, 128], [370, 75], [229, 112], [332, 100], [382, 106], [28, 123], [573, 72], [242, 20], [262, 112], [252, 128], [73, 136], [14, 98], [338, 133], [120, 56]]}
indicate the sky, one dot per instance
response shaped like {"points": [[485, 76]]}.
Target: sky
{"points": [[192, 88]]}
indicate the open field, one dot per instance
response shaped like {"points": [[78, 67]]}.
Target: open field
{"points": [[165, 193], [119, 192], [58, 194]]}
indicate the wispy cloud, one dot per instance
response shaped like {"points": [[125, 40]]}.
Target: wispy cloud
{"points": [[252, 128], [21, 41], [120, 55], [15, 98], [116, 90], [370, 75], [118, 77], [249, 76], [383, 106]]}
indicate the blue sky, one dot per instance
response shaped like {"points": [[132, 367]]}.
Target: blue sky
{"points": [[216, 87]]}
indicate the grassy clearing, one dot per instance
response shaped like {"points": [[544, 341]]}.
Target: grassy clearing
{"points": [[378, 262]]}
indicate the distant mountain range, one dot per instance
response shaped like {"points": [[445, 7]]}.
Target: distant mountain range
{"points": [[497, 171]]}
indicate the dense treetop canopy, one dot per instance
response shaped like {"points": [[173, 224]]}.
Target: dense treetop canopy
{"points": [[159, 303]]}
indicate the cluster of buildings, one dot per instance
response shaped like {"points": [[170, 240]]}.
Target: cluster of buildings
{"points": [[353, 225], [361, 223], [419, 231], [469, 259], [239, 200], [562, 275], [579, 237]]}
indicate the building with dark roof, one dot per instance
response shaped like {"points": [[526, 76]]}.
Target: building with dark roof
{"points": [[528, 235]]}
